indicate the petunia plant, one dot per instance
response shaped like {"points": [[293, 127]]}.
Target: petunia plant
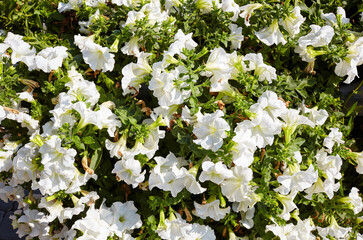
{"points": [[181, 119]]}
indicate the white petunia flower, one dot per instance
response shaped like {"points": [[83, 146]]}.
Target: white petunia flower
{"points": [[331, 18], [92, 226], [318, 37], [260, 130], [210, 130], [319, 186], [299, 180], [271, 35], [71, 5], [335, 136], [354, 200], [211, 210], [134, 73], [121, 217], [236, 188], [318, 117], [236, 36], [129, 170], [215, 172], [98, 57], [231, 6], [174, 228], [201, 232], [167, 174], [22, 51], [292, 120], [51, 58], [247, 11], [302, 230], [348, 65], [79, 88], [293, 22], [329, 164], [334, 230], [190, 182], [287, 203], [33, 224], [262, 70]]}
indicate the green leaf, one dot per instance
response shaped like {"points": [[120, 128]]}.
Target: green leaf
{"points": [[96, 158]]}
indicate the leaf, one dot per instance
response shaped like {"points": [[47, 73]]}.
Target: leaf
{"points": [[96, 158], [88, 140], [351, 109], [77, 141]]}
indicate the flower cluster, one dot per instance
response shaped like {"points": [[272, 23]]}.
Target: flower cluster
{"points": [[191, 119]]}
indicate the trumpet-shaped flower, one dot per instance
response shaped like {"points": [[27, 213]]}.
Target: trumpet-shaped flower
{"points": [[168, 87], [335, 136], [247, 11], [231, 6], [302, 230], [329, 164], [218, 65], [319, 186], [271, 35], [298, 181], [129, 170], [93, 226], [293, 22], [215, 172], [318, 37], [237, 187], [262, 70], [348, 65], [334, 230], [121, 217], [50, 58], [318, 117], [236, 36], [210, 130], [134, 73], [211, 210], [331, 18], [98, 57], [287, 203], [354, 200], [292, 120]]}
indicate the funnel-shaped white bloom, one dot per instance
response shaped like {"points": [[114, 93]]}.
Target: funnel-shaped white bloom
{"points": [[335, 136], [215, 172], [334, 230], [262, 70], [287, 203], [134, 73], [211, 210], [98, 57], [318, 37], [247, 11], [236, 36], [50, 58], [329, 164], [237, 187], [293, 22], [129, 170], [271, 35], [210, 130]]}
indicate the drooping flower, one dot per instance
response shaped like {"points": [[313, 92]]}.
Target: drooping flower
{"points": [[334, 230], [293, 22], [236, 36], [247, 11], [271, 35], [98, 57]]}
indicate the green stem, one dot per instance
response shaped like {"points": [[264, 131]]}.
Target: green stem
{"points": [[353, 93]]}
